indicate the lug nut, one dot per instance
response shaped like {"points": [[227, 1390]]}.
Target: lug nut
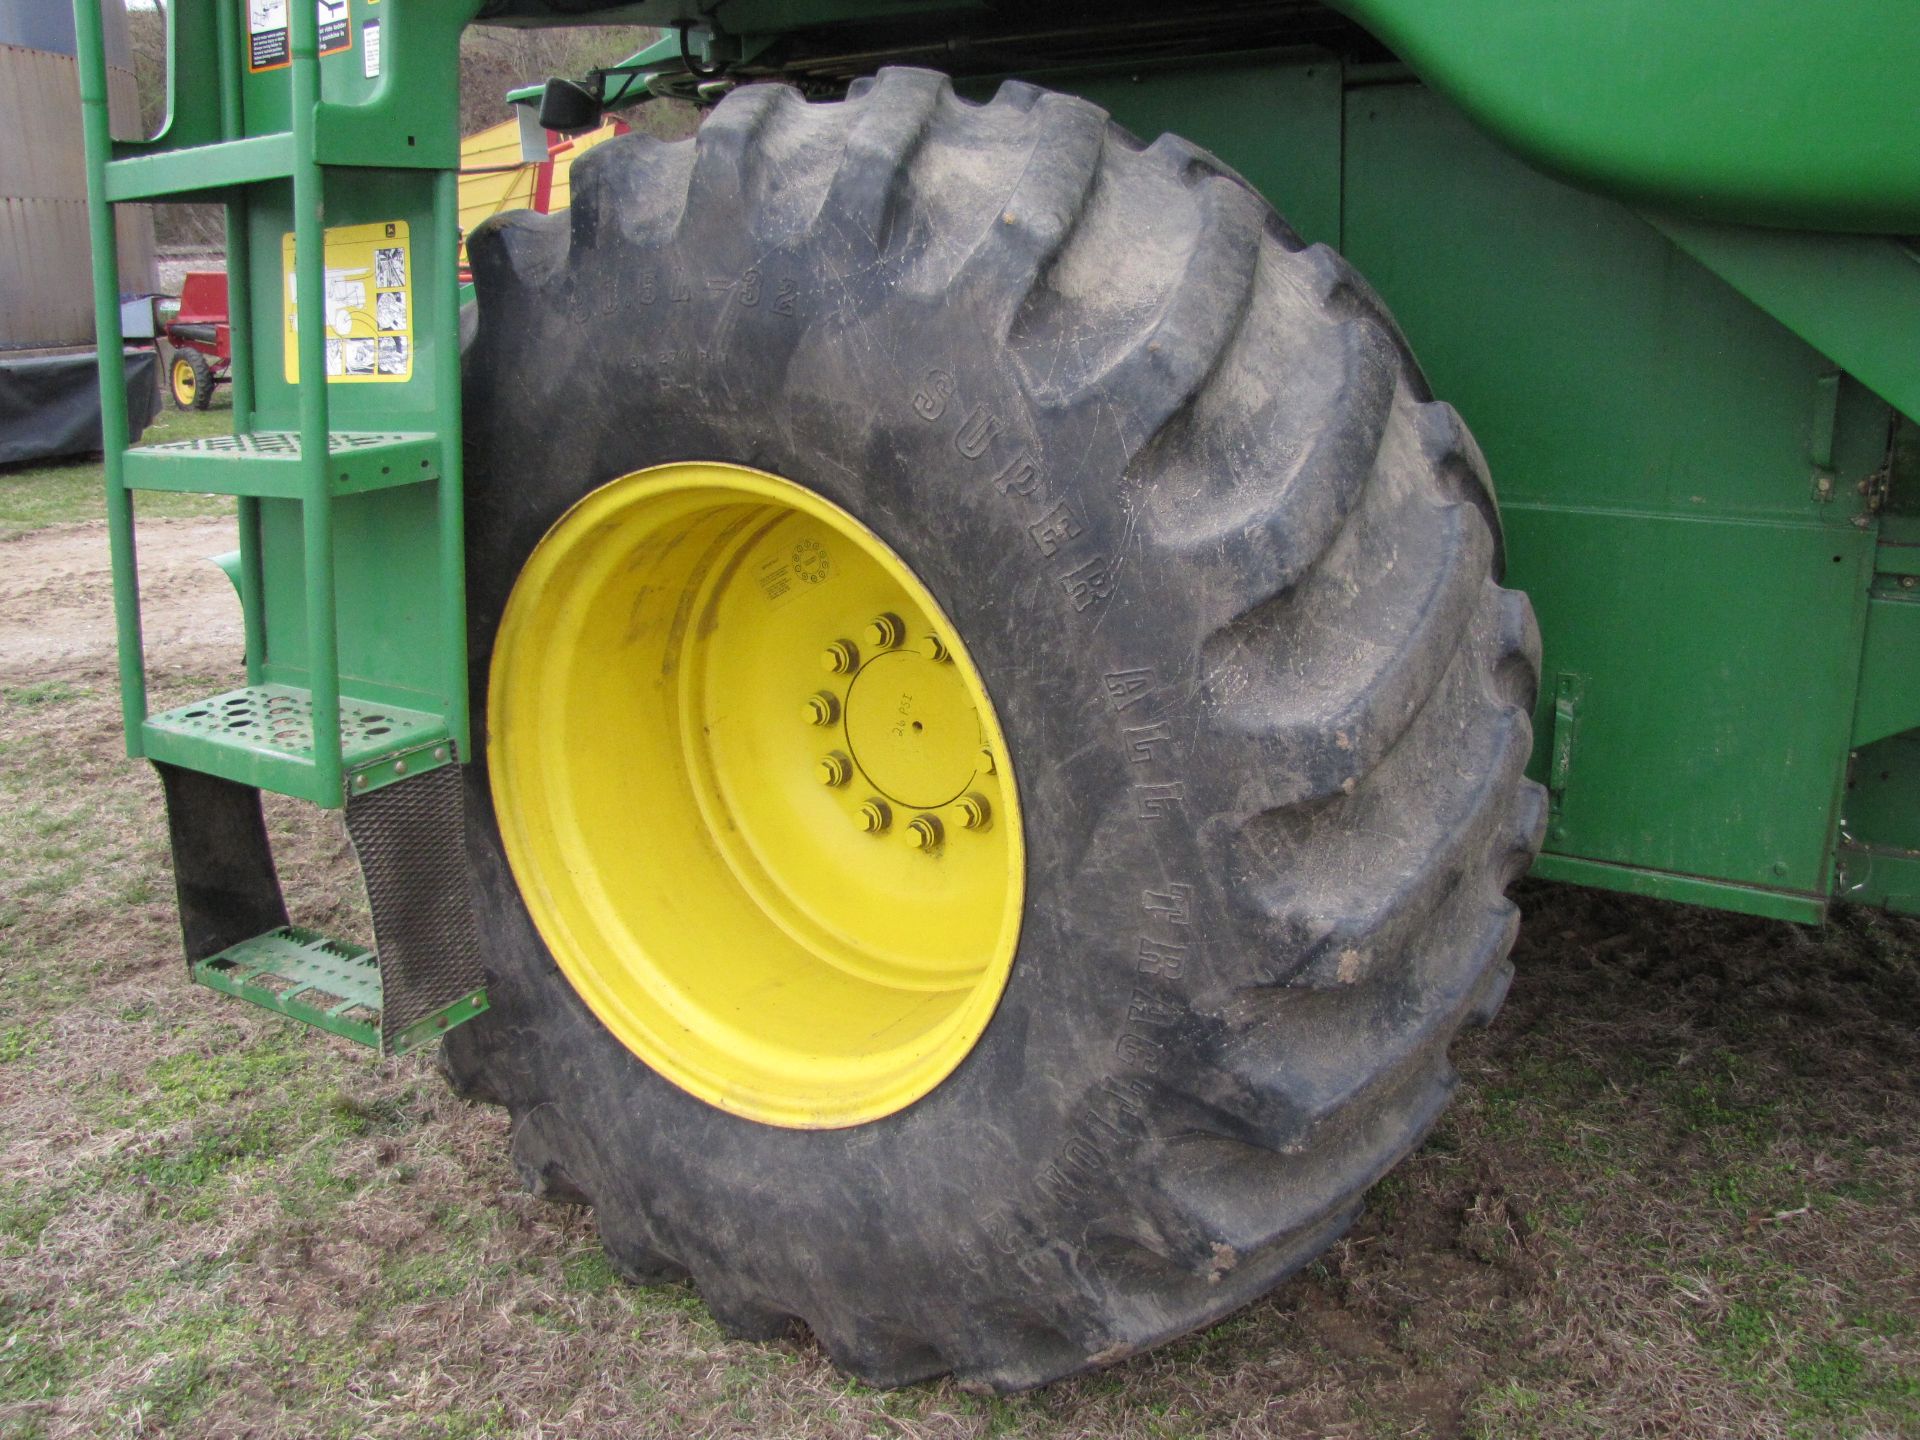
{"points": [[833, 769], [840, 657], [972, 811], [884, 631], [933, 647], [986, 761], [875, 817], [821, 709], [923, 832]]}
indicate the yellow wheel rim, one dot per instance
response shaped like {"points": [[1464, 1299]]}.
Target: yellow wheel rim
{"points": [[184, 387], [755, 795]]}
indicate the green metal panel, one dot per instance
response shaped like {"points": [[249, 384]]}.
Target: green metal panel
{"points": [[1597, 364], [1717, 662], [1889, 700], [391, 577], [1681, 482], [1775, 112], [388, 597], [1686, 889], [1883, 794], [1882, 879], [1681, 479], [1856, 298]]}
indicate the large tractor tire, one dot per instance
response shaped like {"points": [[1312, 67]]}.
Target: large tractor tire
{"points": [[841, 418]]}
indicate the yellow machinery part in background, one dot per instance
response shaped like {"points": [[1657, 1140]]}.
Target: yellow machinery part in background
{"points": [[494, 178]]}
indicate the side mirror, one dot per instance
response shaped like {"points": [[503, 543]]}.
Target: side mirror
{"points": [[568, 106]]}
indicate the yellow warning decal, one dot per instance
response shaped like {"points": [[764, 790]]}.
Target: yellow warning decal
{"points": [[369, 304]]}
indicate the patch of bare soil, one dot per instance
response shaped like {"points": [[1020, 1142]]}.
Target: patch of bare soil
{"points": [[56, 600]]}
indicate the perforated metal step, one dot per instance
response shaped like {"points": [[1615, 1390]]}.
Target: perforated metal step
{"points": [[262, 735], [426, 976], [267, 463], [328, 984]]}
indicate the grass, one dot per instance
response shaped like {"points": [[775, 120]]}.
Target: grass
{"points": [[1677, 1195], [34, 496]]}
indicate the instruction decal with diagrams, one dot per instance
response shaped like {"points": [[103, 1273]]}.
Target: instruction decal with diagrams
{"points": [[270, 41], [369, 304]]}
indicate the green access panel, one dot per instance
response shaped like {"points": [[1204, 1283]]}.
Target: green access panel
{"points": [[1659, 445]]}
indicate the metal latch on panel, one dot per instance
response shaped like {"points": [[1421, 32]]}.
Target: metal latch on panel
{"points": [[1568, 689]]}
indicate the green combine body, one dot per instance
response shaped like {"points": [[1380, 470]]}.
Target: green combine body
{"points": [[1660, 257]]}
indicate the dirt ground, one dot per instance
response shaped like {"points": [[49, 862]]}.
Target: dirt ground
{"points": [[1678, 1193], [56, 600]]}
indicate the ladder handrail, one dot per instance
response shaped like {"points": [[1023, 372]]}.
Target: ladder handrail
{"points": [[90, 56], [240, 342], [453, 530], [316, 515]]}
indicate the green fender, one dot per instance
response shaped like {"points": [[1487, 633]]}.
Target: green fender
{"points": [[1757, 112]]}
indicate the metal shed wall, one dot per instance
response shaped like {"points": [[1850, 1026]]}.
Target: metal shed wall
{"points": [[45, 282]]}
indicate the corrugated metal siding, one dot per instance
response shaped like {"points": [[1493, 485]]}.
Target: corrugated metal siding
{"points": [[48, 25], [45, 283], [46, 287]]}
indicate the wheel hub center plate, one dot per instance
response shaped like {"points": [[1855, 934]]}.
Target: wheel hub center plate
{"points": [[912, 729]]}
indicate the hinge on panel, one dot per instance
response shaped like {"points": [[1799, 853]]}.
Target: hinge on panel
{"points": [[1875, 489], [1567, 691], [1826, 420]]}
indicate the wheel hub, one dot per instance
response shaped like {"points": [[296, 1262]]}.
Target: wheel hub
{"points": [[912, 730], [749, 782]]}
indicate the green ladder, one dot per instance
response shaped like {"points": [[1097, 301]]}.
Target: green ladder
{"points": [[334, 151]]}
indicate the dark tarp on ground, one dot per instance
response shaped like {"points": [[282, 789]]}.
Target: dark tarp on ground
{"points": [[50, 403]]}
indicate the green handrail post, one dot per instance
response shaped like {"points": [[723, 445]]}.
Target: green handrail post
{"points": [[316, 517], [96, 127], [239, 295], [240, 343], [453, 544]]}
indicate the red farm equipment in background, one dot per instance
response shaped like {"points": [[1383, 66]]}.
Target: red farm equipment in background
{"points": [[202, 347]]}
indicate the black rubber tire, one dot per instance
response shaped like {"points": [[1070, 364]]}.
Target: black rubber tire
{"points": [[1228, 573], [202, 380]]}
